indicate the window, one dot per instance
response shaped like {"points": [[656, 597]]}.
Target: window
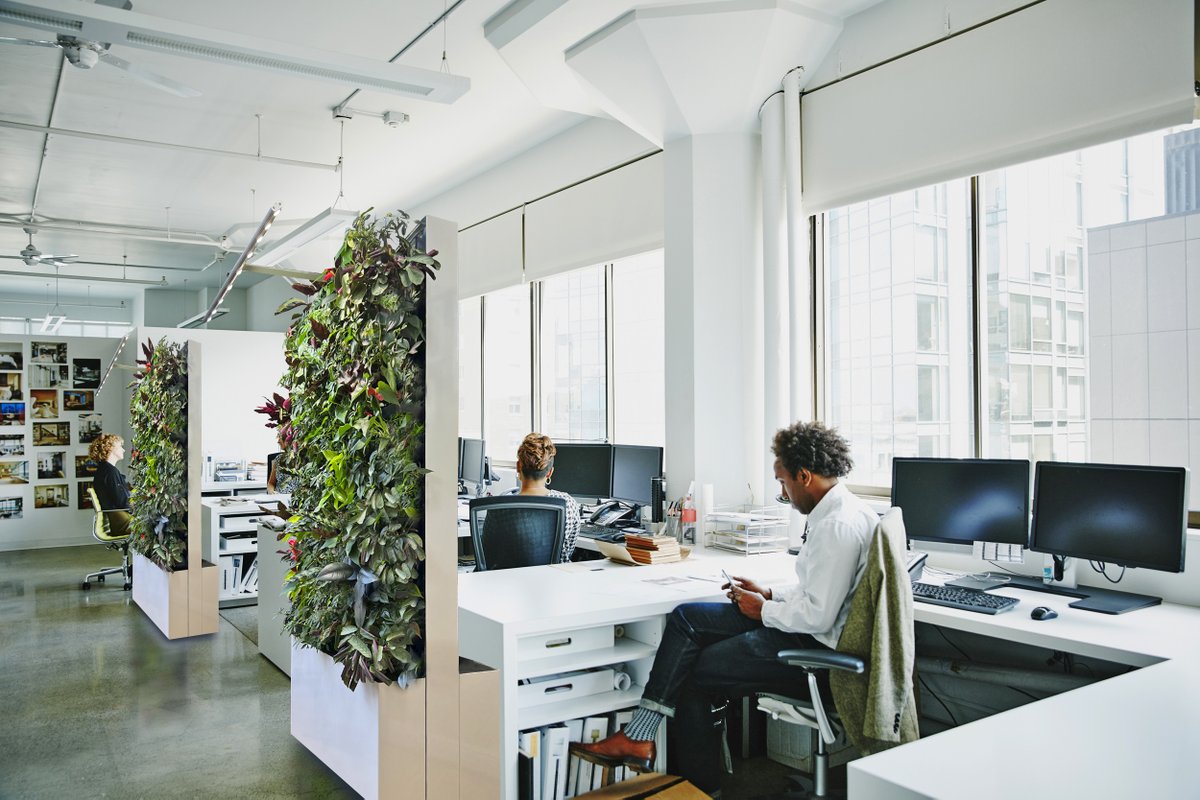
{"points": [[470, 365], [1081, 258], [507, 403], [574, 396]]}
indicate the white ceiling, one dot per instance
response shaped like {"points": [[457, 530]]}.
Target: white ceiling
{"points": [[129, 185]]}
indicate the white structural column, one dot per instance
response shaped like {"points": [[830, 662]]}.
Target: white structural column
{"points": [[711, 260], [800, 365], [775, 326]]}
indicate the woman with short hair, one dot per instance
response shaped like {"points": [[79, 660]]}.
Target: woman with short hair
{"points": [[111, 488]]}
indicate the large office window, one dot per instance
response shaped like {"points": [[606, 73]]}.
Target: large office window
{"points": [[639, 350], [507, 366], [897, 283], [573, 351], [597, 352], [1089, 322]]}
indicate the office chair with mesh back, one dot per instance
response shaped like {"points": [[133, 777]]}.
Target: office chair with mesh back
{"points": [[873, 692], [517, 531], [102, 533]]}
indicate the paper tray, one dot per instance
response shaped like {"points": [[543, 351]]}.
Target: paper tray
{"points": [[617, 552]]}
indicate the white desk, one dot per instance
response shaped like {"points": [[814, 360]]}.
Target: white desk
{"points": [[230, 530], [1134, 735]]}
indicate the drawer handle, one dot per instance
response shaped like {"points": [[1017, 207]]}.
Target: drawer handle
{"points": [[566, 687], [558, 643]]}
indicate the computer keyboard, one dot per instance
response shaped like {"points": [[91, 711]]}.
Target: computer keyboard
{"points": [[966, 599]]}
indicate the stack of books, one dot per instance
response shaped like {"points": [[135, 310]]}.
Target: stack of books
{"points": [[649, 549]]}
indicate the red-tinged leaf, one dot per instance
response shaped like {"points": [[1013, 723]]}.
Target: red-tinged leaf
{"points": [[305, 287]]}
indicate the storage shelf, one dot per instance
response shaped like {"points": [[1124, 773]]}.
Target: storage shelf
{"points": [[246, 546], [587, 706], [622, 650]]}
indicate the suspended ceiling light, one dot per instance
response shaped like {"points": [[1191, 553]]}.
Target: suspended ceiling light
{"points": [[329, 220], [116, 355], [99, 23], [236, 270], [55, 316], [196, 320]]}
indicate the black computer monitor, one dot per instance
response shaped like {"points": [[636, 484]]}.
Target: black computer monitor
{"points": [[583, 470], [963, 500], [633, 467], [1126, 516], [471, 461]]}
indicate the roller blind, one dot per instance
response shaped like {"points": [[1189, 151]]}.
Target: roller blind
{"points": [[613, 215], [1054, 77], [490, 255]]}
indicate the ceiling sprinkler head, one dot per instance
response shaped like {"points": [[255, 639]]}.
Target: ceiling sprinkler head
{"points": [[80, 55]]}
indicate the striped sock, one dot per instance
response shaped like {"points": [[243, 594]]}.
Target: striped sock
{"points": [[644, 725]]}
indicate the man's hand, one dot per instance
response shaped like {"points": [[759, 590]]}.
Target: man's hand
{"points": [[749, 603], [746, 585]]}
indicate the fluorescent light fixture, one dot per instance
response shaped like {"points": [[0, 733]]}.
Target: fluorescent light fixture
{"points": [[329, 220], [116, 355], [52, 322], [90, 278], [236, 269], [101, 23], [196, 320]]}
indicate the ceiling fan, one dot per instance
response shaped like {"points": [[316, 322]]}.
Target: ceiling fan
{"points": [[32, 256], [84, 53]]}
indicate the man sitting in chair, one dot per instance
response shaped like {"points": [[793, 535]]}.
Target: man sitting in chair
{"points": [[712, 651], [111, 489]]}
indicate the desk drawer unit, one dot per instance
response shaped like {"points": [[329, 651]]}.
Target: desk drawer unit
{"points": [[561, 644], [569, 686]]}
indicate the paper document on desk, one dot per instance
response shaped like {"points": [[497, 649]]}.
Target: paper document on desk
{"points": [[618, 552]]}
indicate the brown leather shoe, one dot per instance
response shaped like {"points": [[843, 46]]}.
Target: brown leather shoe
{"points": [[618, 749]]}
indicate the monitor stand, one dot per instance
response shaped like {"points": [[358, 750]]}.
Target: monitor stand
{"points": [[1106, 601], [1103, 601]]}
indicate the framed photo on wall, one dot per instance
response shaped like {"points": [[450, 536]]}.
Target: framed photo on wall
{"points": [[85, 467], [48, 352], [11, 356], [83, 501], [51, 433], [12, 444], [90, 426], [11, 508], [10, 386], [48, 376], [52, 495], [14, 472], [51, 465], [86, 373], [43, 403], [12, 414], [79, 400]]}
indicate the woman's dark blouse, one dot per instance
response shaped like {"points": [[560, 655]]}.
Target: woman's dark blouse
{"points": [[111, 488]]}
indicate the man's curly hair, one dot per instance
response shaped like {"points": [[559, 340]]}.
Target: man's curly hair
{"points": [[812, 446]]}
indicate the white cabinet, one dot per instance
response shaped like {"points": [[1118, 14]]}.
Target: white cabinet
{"points": [[273, 641], [231, 542]]}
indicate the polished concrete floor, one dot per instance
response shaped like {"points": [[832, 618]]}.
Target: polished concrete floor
{"points": [[95, 702]]}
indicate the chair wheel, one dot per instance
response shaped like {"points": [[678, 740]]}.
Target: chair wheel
{"points": [[99, 579], [85, 586], [127, 586]]}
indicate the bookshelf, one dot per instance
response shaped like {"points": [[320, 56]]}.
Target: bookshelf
{"points": [[230, 529]]}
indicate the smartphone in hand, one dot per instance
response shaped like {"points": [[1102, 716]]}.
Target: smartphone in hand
{"points": [[732, 587]]}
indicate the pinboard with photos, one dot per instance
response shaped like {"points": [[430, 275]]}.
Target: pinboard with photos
{"points": [[48, 417]]}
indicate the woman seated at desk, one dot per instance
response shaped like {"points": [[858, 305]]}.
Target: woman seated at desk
{"points": [[535, 468], [279, 479], [111, 489]]}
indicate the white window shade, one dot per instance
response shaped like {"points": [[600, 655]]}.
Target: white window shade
{"points": [[613, 215], [490, 255], [1050, 78]]}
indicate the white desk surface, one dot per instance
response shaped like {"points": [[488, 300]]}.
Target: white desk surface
{"points": [[1135, 735]]}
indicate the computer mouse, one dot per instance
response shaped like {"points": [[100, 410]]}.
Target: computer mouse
{"points": [[1043, 613]]}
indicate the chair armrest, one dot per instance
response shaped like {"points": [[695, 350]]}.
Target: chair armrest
{"points": [[821, 659]]}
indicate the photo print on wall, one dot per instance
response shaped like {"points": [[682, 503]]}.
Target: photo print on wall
{"points": [[10, 386], [79, 400], [12, 444], [11, 507], [11, 356], [51, 465], [83, 500], [52, 495], [43, 404], [12, 414], [86, 373], [85, 467], [14, 472], [48, 434], [48, 352], [48, 376], [90, 426]]}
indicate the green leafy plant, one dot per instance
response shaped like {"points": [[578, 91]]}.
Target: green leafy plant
{"points": [[353, 434], [158, 474]]}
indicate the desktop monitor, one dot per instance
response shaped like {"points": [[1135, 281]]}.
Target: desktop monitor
{"points": [[1126, 516], [963, 500], [471, 461], [583, 470], [633, 467]]}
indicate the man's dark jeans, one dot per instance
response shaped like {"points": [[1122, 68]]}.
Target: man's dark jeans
{"points": [[711, 652]]}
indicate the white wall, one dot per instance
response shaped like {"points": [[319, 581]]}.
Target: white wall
{"points": [[52, 527], [239, 368], [261, 301]]}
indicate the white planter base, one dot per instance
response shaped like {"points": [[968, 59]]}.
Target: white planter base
{"points": [[181, 603], [349, 730]]}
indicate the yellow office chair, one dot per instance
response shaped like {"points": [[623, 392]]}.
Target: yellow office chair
{"points": [[871, 673], [103, 534]]}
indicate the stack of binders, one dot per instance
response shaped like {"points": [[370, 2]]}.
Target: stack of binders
{"points": [[648, 549]]}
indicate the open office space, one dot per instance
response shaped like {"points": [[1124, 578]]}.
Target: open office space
{"points": [[663, 231]]}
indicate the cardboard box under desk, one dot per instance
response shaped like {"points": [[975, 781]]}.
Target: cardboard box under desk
{"points": [[652, 784]]}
